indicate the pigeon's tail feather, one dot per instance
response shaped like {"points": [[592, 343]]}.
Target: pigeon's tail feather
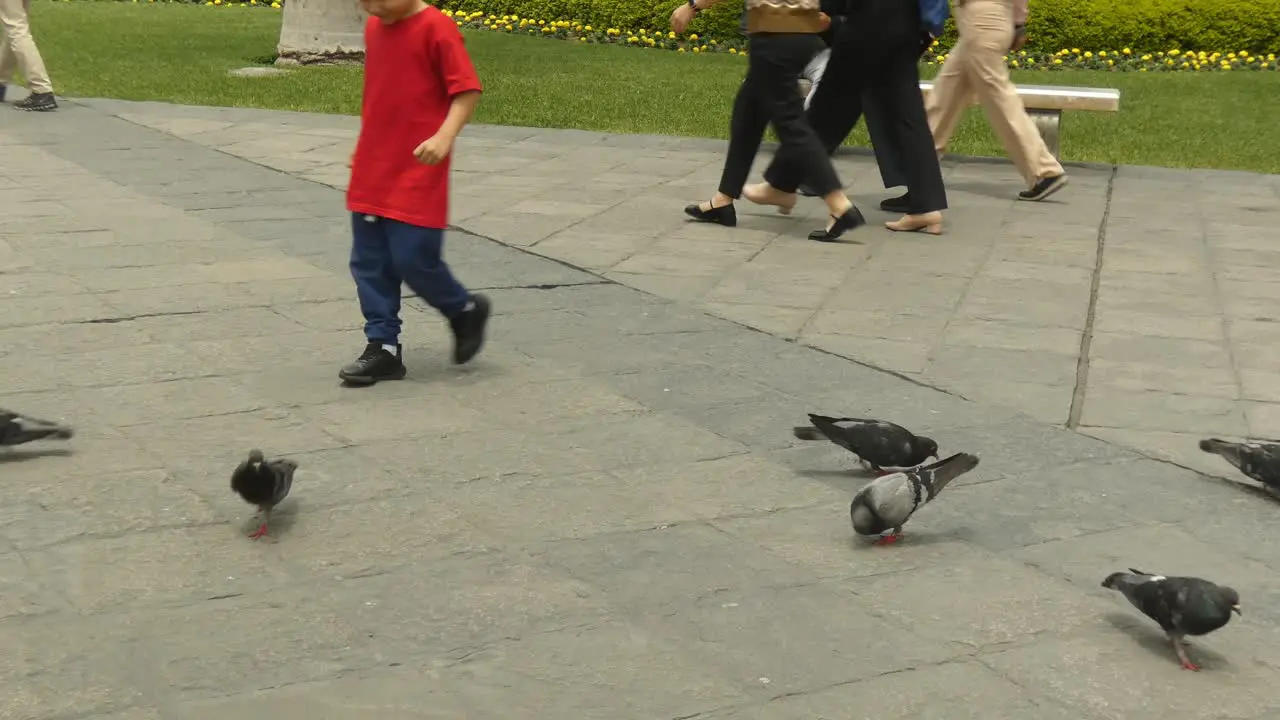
{"points": [[807, 432], [941, 473], [1232, 452], [18, 429], [1126, 583], [1112, 581]]}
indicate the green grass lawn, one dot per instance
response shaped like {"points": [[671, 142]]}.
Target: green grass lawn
{"points": [[181, 53]]}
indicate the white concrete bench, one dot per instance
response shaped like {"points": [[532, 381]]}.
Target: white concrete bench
{"points": [[1045, 103]]}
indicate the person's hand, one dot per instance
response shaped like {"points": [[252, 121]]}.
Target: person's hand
{"points": [[434, 149], [681, 17], [351, 159], [1019, 39], [825, 20]]}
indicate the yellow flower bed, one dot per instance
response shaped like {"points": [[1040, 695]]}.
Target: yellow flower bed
{"points": [[1123, 60]]}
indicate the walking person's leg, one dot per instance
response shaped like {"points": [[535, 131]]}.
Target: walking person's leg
{"points": [[952, 92], [898, 87], [832, 115], [378, 288], [18, 40], [887, 147], [799, 144], [746, 133], [989, 24], [418, 254], [8, 64]]}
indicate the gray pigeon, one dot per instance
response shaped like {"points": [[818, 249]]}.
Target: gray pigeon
{"points": [[1181, 605], [887, 502], [1259, 461], [16, 429], [879, 444], [263, 483]]}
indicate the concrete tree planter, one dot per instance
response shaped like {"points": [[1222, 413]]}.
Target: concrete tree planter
{"points": [[321, 32]]}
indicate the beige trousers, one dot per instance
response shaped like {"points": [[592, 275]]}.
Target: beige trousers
{"points": [[976, 66], [18, 49]]}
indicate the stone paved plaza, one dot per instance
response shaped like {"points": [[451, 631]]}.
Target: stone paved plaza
{"points": [[606, 517], [1138, 307]]}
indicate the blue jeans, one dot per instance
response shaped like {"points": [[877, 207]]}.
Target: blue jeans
{"points": [[385, 253]]}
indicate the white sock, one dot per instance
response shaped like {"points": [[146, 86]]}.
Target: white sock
{"points": [[393, 349]]}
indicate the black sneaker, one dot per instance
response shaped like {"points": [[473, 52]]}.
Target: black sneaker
{"points": [[899, 204], [468, 329], [1044, 187], [373, 365], [37, 102]]}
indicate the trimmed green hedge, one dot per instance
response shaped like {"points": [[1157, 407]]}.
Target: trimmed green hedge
{"points": [[1211, 25]]}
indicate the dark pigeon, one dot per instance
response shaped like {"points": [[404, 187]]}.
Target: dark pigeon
{"points": [[879, 444], [263, 483], [887, 502], [1181, 605], [17, 429], [1257, 460]]}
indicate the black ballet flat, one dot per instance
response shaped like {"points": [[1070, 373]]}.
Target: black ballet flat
{"points": [[724, 215], [851, 219]]}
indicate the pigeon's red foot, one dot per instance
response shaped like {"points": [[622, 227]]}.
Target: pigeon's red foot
{"points": [[887, 539], [880, 473], [259, 532], [1190, 666]]}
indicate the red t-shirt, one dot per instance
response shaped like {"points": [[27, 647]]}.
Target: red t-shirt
{"points": [[412, 71]]}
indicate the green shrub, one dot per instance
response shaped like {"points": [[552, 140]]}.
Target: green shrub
{"points": [[1212, 25]]}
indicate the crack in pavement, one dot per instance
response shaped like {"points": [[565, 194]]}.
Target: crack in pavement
{"points": [[1086, 337]]}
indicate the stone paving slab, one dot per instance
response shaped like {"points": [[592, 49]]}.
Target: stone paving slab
{"points": [[1164, 279], [605, 516]]}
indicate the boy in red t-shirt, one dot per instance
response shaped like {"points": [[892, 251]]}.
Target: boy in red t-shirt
{"points": [[420, 89]]}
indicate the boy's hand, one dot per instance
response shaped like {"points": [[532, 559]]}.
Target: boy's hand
{"points": [[434, 149]]}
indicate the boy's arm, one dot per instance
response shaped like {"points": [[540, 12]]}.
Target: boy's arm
{"points": [[461, 109], [458, 75]]}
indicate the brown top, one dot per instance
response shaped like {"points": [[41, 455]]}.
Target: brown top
{"points": [[783, 16]]}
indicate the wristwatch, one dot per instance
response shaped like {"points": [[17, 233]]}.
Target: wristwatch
{"points": [[695, 7]]}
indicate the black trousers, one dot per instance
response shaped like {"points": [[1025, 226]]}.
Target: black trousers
{"points": [[769, 95], [884, 141], [876, 51]]}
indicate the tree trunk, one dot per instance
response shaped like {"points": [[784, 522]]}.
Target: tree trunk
{"points": [[321, 31]]}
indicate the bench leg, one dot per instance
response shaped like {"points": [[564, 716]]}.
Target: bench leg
{"points": [[1047, 123]]}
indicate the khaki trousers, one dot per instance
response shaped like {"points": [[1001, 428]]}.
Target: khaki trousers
{"points": [[18, 49], [976, 66]]}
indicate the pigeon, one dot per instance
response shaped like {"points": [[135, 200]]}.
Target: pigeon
{"points": [[1259, 461], [887, 502], [877, 443], [263, 483], [18, 429], [1182, 605]]}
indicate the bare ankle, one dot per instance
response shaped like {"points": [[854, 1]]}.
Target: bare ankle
{"points": [[837, 202]]}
